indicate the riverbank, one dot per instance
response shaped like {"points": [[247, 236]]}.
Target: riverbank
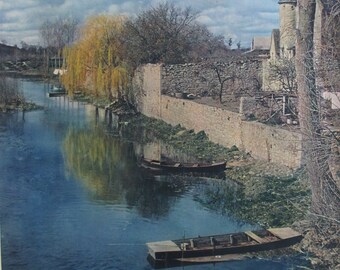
{"points": [[270, 195], [19, 106], [32, 74], [11, 97]]}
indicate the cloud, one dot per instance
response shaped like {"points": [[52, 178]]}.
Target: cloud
{"points": [[241, 19], [18, 4]]}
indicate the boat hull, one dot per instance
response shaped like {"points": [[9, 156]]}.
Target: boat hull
{"points": [[56, 94], [157, 166], [176, 250]]}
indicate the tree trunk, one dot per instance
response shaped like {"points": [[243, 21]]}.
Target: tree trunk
{"points": [[316, 148]]}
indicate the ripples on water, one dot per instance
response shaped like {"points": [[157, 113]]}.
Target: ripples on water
{"points": [[73, 198]]}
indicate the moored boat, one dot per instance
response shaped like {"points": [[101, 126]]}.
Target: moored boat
{"points": [[57, 93], [234, 243], [164, 166]]}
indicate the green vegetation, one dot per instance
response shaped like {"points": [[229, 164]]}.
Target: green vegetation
{"points": [[189, 142], [11, 98], [267, 194], [271, 199], [110, 48], [94, 65]]}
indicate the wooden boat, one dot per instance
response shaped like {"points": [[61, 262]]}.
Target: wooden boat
{"points": [[57, 94], [156, 165], [57, 91], [219, 245]]}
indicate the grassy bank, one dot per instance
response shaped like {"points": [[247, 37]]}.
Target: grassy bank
{"points": [[268, 194]]}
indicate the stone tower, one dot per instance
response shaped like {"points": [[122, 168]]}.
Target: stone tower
{"points": [[287, 27]]}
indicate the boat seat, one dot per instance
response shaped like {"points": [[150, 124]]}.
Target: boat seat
{"points": [[232, 240], [177, 164], [256, 237], [213, 241]]}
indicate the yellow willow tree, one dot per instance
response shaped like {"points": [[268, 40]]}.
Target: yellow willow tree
{"points": [[93, 64]]}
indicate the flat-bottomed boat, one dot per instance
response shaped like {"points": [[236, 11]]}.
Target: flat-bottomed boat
{"points": [[218, 245], [173, 167]]}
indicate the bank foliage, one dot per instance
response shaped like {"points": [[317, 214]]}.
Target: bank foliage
{"points": [[109, 49], [9, 91], [94, 64]]}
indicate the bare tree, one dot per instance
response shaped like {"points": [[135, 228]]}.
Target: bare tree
{"points": [[205, 45], [60, 32], [9, 92], [160, 34], [224, 73], [168, 34], [57, 34], [316, 147], [237, 76], [283, 71], [329, 61]]}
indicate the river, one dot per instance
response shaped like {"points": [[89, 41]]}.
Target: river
{"points": [[73, 197]]}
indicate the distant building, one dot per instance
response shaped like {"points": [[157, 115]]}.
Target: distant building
{"points": [[287, 28], [9, 52], [274, 50], [260, 43], [282, 44]]}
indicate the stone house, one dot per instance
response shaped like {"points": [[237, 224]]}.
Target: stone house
{"points": [[282, 45]]}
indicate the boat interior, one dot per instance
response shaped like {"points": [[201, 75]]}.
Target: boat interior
{"points": [[227, 240]]}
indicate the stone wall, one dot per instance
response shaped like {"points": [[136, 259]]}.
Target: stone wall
{"points": [[147, 85], [227, 128], [201, 79], [271, 143], [222, 126]]}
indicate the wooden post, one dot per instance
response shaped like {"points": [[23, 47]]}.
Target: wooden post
{"points": [[283, 104], [0, 250]]}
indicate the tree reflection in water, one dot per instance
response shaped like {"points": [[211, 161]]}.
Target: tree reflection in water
{"points": [[108, 168]]}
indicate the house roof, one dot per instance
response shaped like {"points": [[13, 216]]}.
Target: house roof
{"points": [[287, 2], [261, 43], [275, 39]]}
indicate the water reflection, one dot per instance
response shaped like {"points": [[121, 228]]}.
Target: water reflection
{"points": [[102, 217], [108, 168]]}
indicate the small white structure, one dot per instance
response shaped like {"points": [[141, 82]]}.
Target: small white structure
{"points": [[334, 97], [59, 71]]}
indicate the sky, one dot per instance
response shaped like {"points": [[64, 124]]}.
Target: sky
{"points": [[240, 20]]}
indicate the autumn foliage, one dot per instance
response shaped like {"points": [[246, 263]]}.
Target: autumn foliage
{"points": [[93, 64]]}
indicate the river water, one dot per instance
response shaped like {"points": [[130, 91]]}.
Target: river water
{"points": [[73, 197]]}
